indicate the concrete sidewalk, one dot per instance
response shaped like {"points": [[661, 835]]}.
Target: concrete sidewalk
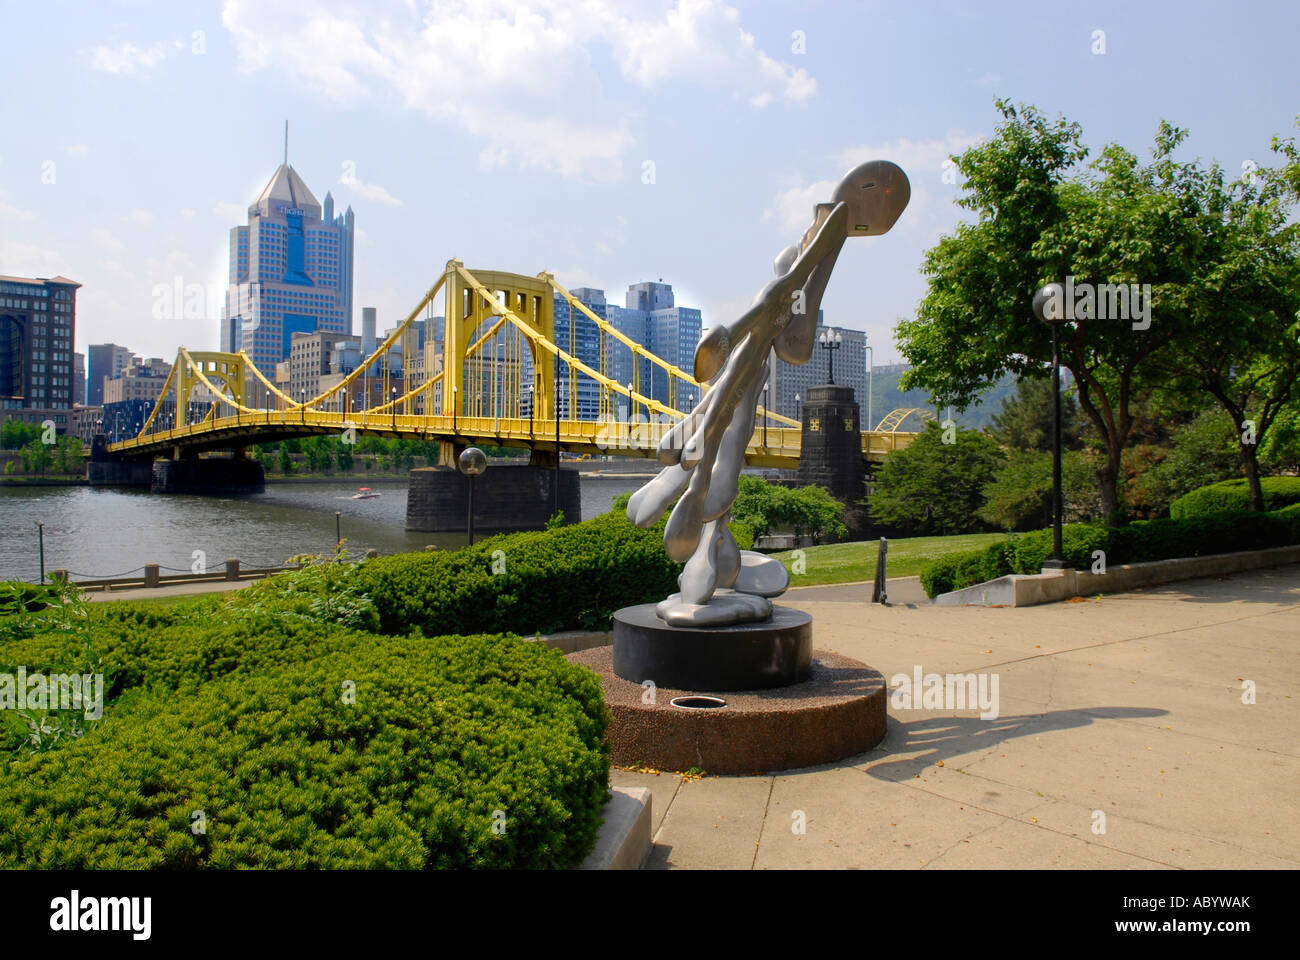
{"points": [[1127, 706]]}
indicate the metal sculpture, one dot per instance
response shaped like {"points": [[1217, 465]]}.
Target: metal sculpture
{"points": [[704, 453]]}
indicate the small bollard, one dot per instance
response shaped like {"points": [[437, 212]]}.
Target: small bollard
{"points": [[232, 569], [57, 576], [151, 574], [878, 594]]}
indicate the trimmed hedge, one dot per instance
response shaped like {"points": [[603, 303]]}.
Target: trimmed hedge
{"points": [[289, 775], [1138, 542], [572, 577], [1233, 496]]}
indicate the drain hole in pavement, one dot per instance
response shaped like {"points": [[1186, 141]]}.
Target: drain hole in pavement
{"points": [[698, 703]]}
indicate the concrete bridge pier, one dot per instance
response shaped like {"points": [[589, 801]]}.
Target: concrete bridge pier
{"points": [[105, 470], [507, 497], [210, 475]]}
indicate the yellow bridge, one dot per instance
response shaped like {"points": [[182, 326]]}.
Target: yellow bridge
{"points": [[499, 332]]}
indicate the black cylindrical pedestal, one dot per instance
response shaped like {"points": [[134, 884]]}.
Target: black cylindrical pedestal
{"points": [[746, 656]]}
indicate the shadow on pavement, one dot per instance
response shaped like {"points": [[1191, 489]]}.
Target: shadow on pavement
{"points": [[943, 738]]}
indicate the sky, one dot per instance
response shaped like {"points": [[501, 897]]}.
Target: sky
{"points": [[607, 142]]}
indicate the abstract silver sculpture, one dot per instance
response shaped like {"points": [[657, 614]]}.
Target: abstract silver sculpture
{"points": [[704, 453]]}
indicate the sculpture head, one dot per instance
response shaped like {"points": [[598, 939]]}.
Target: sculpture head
{"points": [[877, 192]]}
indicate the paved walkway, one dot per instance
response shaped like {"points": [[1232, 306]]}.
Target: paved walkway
{"points": [[1128, 706]]}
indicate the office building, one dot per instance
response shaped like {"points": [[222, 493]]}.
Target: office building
{"points": [[290, 272], [652, 318], [38, 319], [78, 379], [104, 361], [131, 397], [785, 380]]}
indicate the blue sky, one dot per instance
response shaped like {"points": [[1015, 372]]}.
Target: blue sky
{"points": [[515, 136]]}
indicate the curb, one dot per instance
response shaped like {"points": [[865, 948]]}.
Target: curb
{"points": [[623, 842]]}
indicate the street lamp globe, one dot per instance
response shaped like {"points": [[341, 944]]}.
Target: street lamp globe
{"points": [[473, 461]]}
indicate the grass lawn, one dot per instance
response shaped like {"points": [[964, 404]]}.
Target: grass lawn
{"points": [[848, 562]]}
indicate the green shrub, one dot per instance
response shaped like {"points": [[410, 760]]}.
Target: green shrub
{"points": [[1139, 542], [290, 774], [1078, 541], [572, 577], [1234, 495]]}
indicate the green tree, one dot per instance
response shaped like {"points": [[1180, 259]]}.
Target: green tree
{"points": [[1020, 496], [807, 511], [1042, 219], [285, 460], [1200, 452], [933, 488], [36, 457], [14, 434], [1024, 421], [1241, 344]]}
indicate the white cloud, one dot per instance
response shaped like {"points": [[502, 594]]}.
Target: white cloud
{"points": [[106, 239], [125, 58], [520, 79], [77, 149], [9, 212], [139, 216], [29, 260], [186, 212], [230, 211], [371, 191]]}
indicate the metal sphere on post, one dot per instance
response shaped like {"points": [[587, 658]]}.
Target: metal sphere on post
{"points": [[472, 463], [1048, 308]]}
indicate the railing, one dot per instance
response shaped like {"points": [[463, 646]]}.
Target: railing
{"points": [[152, 576]]}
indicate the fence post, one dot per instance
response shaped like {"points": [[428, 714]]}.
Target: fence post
{"points": [[878, 594], [151, 574], [232, 569]]}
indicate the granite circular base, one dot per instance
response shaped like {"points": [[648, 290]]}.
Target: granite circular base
{"points": [[742, 656], [838, 712]]}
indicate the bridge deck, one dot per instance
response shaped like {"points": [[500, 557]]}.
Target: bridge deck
{"points": [[637, 439]]}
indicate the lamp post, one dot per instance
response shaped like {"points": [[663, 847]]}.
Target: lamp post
{"points": [[472, 463], [338, 534], [394, 409], [831, 341], [796, 408], [302, 394], [1047, 308], [871, 369], [765, 386]]}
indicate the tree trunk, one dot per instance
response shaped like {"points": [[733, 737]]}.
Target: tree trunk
{"points": [[1250, 459]]}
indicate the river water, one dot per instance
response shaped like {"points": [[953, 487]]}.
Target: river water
{"points": [[101, 532]]}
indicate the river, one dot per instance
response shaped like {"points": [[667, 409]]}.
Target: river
{"points": [[101, 532]]}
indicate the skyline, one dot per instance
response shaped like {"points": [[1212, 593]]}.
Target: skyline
{"points": [[534, 157]]}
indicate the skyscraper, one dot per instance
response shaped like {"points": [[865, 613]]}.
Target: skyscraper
{"points": [[37, 328], [290, 272], [104, 360], [653, 319]]}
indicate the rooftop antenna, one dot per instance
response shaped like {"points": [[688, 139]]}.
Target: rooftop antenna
{"points": [[286, 142]]}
